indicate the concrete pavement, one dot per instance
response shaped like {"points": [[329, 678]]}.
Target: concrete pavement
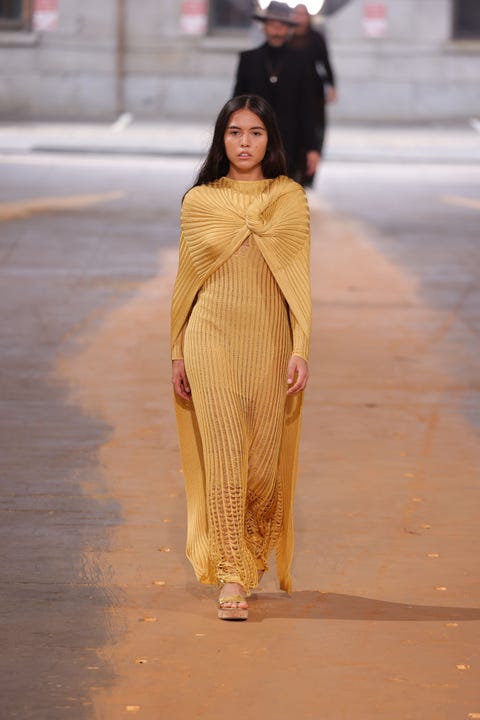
{"points": [[459, 142], [100, 612]]}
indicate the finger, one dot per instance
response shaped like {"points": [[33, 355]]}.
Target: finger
{"points": [[300, 383], [290, 377], [294, 386], [181, 390], [177, 389], [185, 396], [298, 387], [186, 387]]}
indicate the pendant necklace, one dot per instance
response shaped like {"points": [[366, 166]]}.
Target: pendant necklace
{"points": [[273, 71]]}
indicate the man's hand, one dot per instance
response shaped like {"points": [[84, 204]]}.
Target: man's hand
{"points": [[313, 158], [331, 95]]}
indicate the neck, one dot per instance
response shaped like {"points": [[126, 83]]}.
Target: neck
{"points": [[255, 174]]}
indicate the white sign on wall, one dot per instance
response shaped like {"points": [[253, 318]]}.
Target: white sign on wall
{"points": [[375, 19], [194, 17], [45, 14]]}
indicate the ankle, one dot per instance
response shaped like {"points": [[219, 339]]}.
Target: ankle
{"points": [[229, 587]]}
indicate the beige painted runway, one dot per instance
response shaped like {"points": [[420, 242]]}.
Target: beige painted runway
{"points": [[385, 616]]}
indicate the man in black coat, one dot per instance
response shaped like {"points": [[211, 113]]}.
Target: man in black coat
{"points": [[281, 75], [314, 45]]}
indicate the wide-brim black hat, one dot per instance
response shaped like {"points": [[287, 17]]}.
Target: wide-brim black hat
{"points": [[276, 11]]}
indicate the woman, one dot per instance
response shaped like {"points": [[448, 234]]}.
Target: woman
{"points": [[240, 333], [315, 47]]}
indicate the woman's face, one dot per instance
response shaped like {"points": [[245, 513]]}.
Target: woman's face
{"points": [[246, 142]]}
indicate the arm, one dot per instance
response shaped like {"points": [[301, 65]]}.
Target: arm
{"points": [[329, 79], [307, 94], [179, 317], [283, 238], [184, 293], [301, 342], [177, 347], [328, 67], [241, 85], [297, 367]]}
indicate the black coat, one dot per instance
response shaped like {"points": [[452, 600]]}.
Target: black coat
{"points": [[315, 47], [291, 97]]}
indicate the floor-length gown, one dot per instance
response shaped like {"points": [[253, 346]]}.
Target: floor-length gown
{"points": [[241, 307], [239, 390]]}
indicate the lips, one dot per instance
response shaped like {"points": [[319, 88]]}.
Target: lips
{"points": [[244, 156]]}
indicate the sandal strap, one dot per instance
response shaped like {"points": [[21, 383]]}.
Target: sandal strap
{"points": [[231, 599]]}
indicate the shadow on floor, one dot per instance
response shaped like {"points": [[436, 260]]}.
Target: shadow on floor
{"points": [[315, 605]]}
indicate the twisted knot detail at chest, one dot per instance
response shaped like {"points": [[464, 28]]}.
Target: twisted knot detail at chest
{"points": [[217, 218], [254, 221]]}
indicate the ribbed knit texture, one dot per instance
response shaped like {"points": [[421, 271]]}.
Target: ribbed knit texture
{"points": [[239, 435]]}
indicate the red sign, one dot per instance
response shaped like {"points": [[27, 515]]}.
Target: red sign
{"points": [[375, 19], [193, 17], [45, 14]]}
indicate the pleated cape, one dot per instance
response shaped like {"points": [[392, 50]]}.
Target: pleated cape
{"points": [[213, 226]]}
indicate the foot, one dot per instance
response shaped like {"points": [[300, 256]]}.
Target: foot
{"points": [[229, 594], [232, 604]]}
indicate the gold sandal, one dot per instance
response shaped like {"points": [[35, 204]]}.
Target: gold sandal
{"points": [[232, 613]]}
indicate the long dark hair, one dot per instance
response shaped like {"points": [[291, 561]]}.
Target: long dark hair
{"points": [[216, 164]]}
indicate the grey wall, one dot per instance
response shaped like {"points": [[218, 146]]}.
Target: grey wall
{"points": [[414, 72]]}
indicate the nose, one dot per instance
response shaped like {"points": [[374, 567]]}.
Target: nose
{"points": [[244, 140]]}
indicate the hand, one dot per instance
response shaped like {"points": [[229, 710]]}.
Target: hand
{"points": [[313, 158], [297, 374], [180, 380], [331, 94]]}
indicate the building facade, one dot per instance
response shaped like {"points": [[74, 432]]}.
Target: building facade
{"points": [[395, 60]]}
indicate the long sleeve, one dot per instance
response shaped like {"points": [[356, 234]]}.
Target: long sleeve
{"points": [[241, 84], [177, 347], [301, 342], [307, 105], [186, 287], [322, 57]]}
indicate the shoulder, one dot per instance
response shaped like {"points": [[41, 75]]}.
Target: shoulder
{"points": [[287, 190], [249, 55], [298, 58], [296, 52], [287, 185], [192, 195], [318, 39], [195, 197], [198, 195]]}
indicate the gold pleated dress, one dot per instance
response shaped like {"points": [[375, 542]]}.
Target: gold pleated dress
{"points": [[236, 347]]}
